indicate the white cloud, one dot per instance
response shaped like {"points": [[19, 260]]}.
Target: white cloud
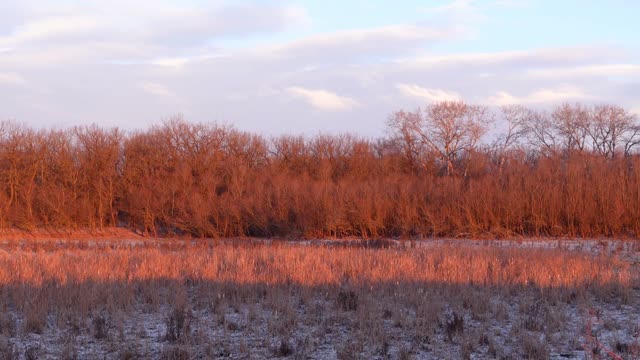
{"points": [[598, 70], [192, 25], [557, 94], [430, 95], [49, 28], [156, 89], [322, 99], [12, 79], [513, 3], [386, 41], [73, 55], [458, 10], [180, 62], [533, 58], [164, 32]]}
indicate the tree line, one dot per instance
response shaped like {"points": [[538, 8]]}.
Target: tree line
{"points": [[448, 169]]}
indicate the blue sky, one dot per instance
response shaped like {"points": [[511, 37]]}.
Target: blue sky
{"points": [[306, 66]]}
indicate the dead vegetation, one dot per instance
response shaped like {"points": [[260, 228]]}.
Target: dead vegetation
{"points": [[572, 172], [213, 299]]}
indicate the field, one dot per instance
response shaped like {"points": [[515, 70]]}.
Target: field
{"points": [[119, 298]]}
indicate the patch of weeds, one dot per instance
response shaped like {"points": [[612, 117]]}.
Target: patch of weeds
{"points": [[7, 324], [69, 352], [33, 352], [454, 326], [534, 318], [533, 348], [404, 354], [100, 327], [175, 353], [348, 300], [35, 319], [621, 348], [8, 350], [284, 349], [178, 324], [128, 353], [233, 326], [348, 351]]}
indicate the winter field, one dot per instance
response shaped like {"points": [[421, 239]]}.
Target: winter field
{"points": [[139, 298]]}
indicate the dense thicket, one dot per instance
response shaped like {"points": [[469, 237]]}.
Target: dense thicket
{"points": [[571, 172]]}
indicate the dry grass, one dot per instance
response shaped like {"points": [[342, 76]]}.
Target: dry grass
{"points": [[184, 299], [312, 266]]}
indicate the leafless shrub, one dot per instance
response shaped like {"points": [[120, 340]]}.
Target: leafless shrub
{"points": [[100, 327], [621, 347], [35, 317], [534, 319], [347, 300], [454, 326], [178, 324], [33, 352], [284, 349], [171, 179], [233, 326]]}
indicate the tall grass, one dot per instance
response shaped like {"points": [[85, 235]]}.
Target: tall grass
{"points": [[123, 273]]}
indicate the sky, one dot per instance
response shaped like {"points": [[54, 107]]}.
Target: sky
{"points": [[304, 67]]}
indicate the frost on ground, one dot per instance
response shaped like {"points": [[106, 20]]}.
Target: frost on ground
{"points": [[398, 320]]}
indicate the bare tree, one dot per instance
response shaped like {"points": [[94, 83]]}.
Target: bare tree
{"points": [[571, 123], [611, 128], [631, 138], [446, 129], [541, 133], [516, 119]]}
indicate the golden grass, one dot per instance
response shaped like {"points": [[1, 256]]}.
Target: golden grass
{"points": [[313, 266]]}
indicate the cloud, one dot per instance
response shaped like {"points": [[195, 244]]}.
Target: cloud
{"points": [[513, 3], [430, 95], [387, 41], [557, 94], [195, 25], [12, 79], [519, 59], [322, 99], [166, 32], [470, 11], [156, 89], [464, 11], [48, 29], [179, 62], [72, 55], [597, 70]]}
